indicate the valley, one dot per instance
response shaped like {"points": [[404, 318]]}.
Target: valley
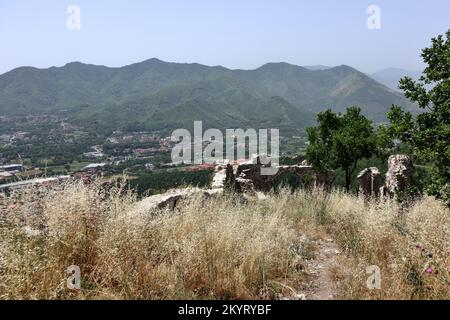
{"points": [[59, 120]]}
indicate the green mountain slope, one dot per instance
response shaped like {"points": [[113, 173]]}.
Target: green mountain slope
{"points": [[159, 95]]}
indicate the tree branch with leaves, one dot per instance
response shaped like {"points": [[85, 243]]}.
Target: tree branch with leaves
{"points": [[340, 141], [428, 134]]}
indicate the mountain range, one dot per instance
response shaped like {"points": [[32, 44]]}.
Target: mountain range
{"points": [[157, 95], [390, 77]]}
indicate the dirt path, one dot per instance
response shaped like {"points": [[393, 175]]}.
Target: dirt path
{"points": [[320, 284]]}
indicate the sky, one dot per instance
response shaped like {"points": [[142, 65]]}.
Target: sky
{"points": [[237, 34]]}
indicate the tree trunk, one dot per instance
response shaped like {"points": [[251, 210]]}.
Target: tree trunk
{"points": [[348, 176], [348, 179]]}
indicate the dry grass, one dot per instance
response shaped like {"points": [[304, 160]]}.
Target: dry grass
{"points": [[410, 246], [219, 249], [223, 248]]}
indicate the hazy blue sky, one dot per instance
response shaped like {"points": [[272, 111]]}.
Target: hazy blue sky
{"points": [[233, 33]]}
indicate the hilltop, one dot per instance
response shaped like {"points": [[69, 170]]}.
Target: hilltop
{"points": [[157, 95]]}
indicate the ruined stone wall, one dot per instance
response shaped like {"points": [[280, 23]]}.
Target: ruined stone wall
{"points": [[247, 177], [398, 178], [369, 182], [399, 175]]}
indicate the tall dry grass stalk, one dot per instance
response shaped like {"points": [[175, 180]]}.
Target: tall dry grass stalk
{"points": [[221, 248], [217, 249], [410, 246]]}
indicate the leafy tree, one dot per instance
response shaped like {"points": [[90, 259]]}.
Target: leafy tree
{"points": [[339, 141], [428, 134]]}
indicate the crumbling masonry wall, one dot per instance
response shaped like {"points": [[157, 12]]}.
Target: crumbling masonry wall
{"points": [[398, 178], [247, 177]]}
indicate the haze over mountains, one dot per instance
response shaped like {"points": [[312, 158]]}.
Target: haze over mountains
{"points": [[157, 95], [390, 77]]}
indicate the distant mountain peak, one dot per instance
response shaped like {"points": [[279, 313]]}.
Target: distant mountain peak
{"points": [[344, 67], [153, 60], [161, 94], [279, 66], [74, 63]]}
